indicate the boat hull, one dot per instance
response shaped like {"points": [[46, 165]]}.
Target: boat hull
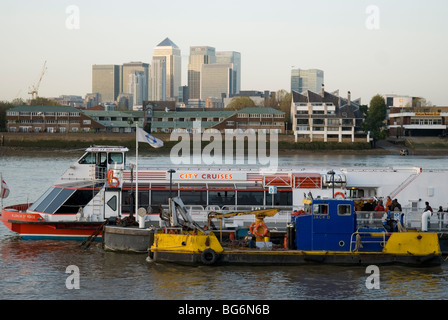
{"points": [[33, 226], [291, 257], [413, 249]]}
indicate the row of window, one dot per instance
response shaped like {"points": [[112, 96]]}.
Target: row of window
{"points": [[204, 198], [40, 121], [258, 115], [43, 114]]}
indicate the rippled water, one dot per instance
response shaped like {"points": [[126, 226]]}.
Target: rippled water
{"points": [[37, 269]]}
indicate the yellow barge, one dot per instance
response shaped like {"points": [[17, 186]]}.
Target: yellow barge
{"points": [[326, 234]]}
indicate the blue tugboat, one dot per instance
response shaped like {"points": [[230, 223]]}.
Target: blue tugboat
{"points": [[325, 232]]}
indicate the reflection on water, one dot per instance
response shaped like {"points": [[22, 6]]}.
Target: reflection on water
{"points": [[36, 269]]}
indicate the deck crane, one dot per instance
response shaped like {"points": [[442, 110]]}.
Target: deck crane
{"points": [[33, 91]]}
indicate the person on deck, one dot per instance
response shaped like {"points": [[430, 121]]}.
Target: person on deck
{"points": [[388, 202]]}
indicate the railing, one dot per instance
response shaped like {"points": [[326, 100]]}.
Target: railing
{"points": [[357, 236]]}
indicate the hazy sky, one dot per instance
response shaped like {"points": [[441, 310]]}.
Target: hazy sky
{"points": [[401, 47]]}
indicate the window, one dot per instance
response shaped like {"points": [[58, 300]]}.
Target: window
{"points": [[281, 198], [344, 209], [115, 157], [320, 209], [88, 158], [194, 197], [221, 198], [250, 197]]}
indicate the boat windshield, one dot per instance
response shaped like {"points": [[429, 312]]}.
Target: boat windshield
{"points": [[63, 200]]}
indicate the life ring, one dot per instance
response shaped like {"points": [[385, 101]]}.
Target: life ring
{"points": [[111, 179], [339, 194], [209, 256], [251, 228], [258, 226]]}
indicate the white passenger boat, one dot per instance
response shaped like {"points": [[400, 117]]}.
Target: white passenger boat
{"points": [[101, 186]]}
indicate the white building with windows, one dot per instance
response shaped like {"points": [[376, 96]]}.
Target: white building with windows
{"points": [[326, 117]]}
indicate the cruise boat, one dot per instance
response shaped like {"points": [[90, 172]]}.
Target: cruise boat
{"points": [[101, 187]]}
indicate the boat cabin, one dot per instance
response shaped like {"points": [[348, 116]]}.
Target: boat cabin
{"points": [[325, 225]]}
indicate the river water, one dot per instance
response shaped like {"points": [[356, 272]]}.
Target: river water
{"points": [[32, 270]]}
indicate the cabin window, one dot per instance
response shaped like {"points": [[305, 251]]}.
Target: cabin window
{"points": [[194, 197], [281, 198], [112, 203], [221, 198], [161, 196], [115, 157], [344, 209], [320, 209], [88, 158], [63, 200], [250, 198]]}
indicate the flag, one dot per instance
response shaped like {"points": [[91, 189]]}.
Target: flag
{"points": [[143, 136], [4, 190]]}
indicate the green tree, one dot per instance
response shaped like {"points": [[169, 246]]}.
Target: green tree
{"points": [[239, 103], [376, 118], [4, 105], [281, 101]]}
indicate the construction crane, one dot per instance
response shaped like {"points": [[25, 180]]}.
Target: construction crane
{"points": [[33, 91]]}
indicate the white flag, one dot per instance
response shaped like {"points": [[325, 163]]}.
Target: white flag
{"points": [[143, 136]]}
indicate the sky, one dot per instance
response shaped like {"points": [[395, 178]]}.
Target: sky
{"points": [[366, 47]]}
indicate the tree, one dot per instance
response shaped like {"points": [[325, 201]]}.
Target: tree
{"points": [[239, 103], [282, 101], [375, 119]]}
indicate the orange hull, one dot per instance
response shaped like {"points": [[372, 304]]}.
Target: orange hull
{"points": [[33, 226]]}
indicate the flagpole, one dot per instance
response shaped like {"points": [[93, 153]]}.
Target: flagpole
{"points": [[136, 168]]}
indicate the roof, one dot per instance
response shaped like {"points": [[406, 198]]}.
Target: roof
{"points": [[25, 108], [105, 113], [260, 110], [167, 43], [193, 114]]}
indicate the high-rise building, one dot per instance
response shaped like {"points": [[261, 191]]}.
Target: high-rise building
{"points": [[138, 87], [158, 79], [128, 71], [173, 67], [199, 55], [303, 80], [234, 58], [106, 81], [216, 80]]}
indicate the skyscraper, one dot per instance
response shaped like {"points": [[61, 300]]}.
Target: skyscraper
{"points": [[234, 58], [173, 67], [199, 55], [302, 80], [106, 81], [216, 80], [158, 79], [128, 71], [138, 87]]}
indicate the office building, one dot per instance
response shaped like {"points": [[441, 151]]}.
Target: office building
{"points": [[199, 55], [158, 79], [216, 80], [106, 81], [138, 87], [234, 58], [303, 80], [168, 50], [128, 74]]}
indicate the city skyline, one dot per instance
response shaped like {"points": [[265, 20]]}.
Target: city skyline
{"points": [[395, 47]]}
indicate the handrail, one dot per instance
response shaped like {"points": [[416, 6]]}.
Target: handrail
{"points": [[357, 232]]}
